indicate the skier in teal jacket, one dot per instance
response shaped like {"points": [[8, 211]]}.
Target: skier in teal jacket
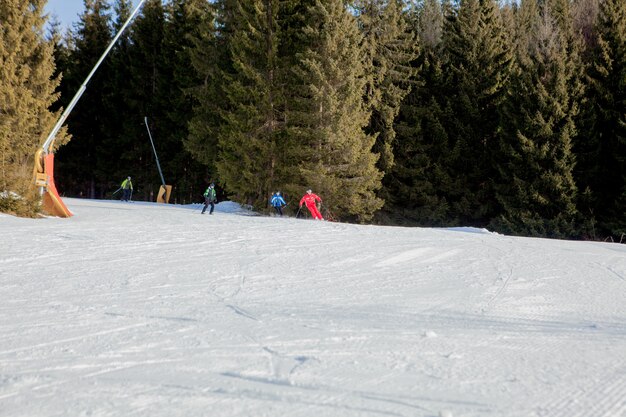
{"points": [[210, 197]]}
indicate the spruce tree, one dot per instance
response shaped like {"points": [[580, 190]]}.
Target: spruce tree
{"points": [[209, 58], [186, 20], [601, 146], [150, 75], [63, 46], [420, 181], [119, 92], [79, 164], [390, 47], [330, 114], [27, 92], [477, 72], [250, 145], [430, 23], [536, 187], [585, 17]]}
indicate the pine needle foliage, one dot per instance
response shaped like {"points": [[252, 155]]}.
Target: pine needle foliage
{"points": [[186, 21], [478, 65], [79, 164], [601, 146], [329, 113], [27, 91], [390, 46], [418, 184], [209, 58], [536, 186], [252, 108]]}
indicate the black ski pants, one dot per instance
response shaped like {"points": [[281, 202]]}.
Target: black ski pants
{"points": [[206, 204]]}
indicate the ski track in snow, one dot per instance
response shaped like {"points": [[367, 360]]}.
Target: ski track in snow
{"points": [[151, 310]]}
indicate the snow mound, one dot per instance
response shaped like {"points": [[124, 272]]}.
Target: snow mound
{"points": [[480, 231], [229, 207]]}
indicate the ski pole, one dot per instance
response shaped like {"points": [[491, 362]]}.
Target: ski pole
{"points": [[116, 191], [298, 213]]}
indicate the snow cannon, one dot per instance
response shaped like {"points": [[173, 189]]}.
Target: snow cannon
{"points": [[44, 179], [165, 190], [44, 157], [164, 194]]}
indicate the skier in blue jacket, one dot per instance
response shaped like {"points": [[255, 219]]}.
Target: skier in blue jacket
{"points": [[278, 202]]}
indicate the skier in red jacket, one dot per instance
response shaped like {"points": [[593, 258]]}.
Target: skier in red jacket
{"points": [[309, 199]]}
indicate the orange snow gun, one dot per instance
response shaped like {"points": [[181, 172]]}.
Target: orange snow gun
{"points": [[44, 158], [44, 179], [165, 190]]}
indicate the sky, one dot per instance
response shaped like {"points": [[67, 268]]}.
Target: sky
{"points": [[68, 10], [141, 309]]}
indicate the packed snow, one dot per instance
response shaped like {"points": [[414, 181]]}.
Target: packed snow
{"points": [[141, 309]]}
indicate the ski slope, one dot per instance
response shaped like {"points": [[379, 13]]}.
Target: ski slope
{"points": [[139, 309]]}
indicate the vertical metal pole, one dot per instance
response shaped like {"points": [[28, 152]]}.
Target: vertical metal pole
{"points": [[155, 153]]}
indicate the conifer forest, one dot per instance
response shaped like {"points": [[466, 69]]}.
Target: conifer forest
{"points": [[505, 115]]}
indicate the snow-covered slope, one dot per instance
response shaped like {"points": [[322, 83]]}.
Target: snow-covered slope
{"points": [[151, 310]]}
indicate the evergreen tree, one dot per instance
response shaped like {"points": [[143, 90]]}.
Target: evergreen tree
{"points": [[430, 23], [253, 111], [209, 57], [602, 144], [585, 16], [573, 44], [536, 188], [150, 74], [477, 72], [186, 20], [79, 166], [27, 92], [146, 74], [390, 47], [63, 46], [293, 20], [420, 179], [330, 114], [115, 103]]}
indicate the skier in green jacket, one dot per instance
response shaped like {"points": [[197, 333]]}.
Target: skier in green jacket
{"points": [[209, 198]]}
